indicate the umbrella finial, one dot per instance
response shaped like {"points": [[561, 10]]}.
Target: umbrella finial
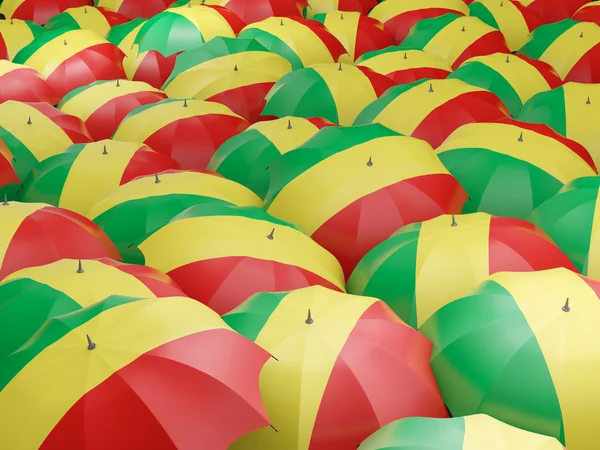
{"points": [[501, 3], [566, 308], [430, 87], [104, 151], [85, 10], [587, 102], [235, 68], [91, 345], [581, 35], [118, 83], [271, 235], [520, 137], [11, 21], [453, 224], [340, 66], [281, 22], [156, 179], [405, 56], [65, 42], [507, 59], [185, 102], [370, 162], [29, 121], [309, 320], [289, 127], [80, 267], [5, 202], [342, 16], [463, 28]]}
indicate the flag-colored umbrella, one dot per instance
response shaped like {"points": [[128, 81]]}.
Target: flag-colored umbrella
{"points": [[405, 66], [358, 33], [588, 13], [84, 174], [551, 11], [336, 92], [508, 167], [256, 10], [16, 34], [341, 367], [456, 38], [134, 9], [513, 78], [235, 72], [399, 16], [38, 11], [24, 84], [132, 373], [302, 42], [99, 20], [514, 349], [350, 188], [325, 6], [104, 104], [427, 265], [571, 47], [246, 157], [69, 58], [475, 432], [134, 210], [236, 252], [437, 108], [189, 131]]}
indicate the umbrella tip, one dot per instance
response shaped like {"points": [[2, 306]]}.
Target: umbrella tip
{"points": [[463, 28], [80, 267], [185, 103], [11, 22], [501, 3], [85, 10], [520, 137], [309, 320], [5, 203], [235, 68], [156, 179], [271, 235], [29, 121], [118, 83], [453, 224], [281, 22], [581, 35], [91, 345], [507, 59], [430, 87], [405, 56], [65, 42], [340, 66], [104, 151], [587, 102], [566, 307], [342, 16], [289, 127], [370, 162]]}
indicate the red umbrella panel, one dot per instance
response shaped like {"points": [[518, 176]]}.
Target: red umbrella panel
{"points": [[38, 11], [134, 9], [554, 11], [24, 84]]}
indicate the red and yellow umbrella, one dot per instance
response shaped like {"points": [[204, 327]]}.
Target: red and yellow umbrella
{"points": [[256, 10], [16, 34], [350, 188], [438, 107], [134, 9], [132, 373], [189, 131], [69, 58], [104, 104], [325, 6], [551, 11], [24, 84], [38, 11], [588, 13], [342, 366], [99, 20]]}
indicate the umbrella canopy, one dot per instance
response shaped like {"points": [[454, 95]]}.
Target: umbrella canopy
{"points": [[325, 6], [350, 188], [358, 33], [551, 11], [24, 84], [508, 167], [99, 20], [189, 131], [405, 66], [256, 10], [523, 330], [16, 34], [437, 108], [588, 13], [246, 157], [85, 375], [134, 9], [513, 78], [104, 104], [571, 47], [302, 42], [336, 92], [342, 366], [235, 72], [399, 16], [424, 266], [458, 433], [85, 173], [69, 58], [38, 11], [236, 252]]}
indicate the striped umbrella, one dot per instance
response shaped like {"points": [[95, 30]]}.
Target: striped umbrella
{"points": [[508, 167], [246, 157], [341, 367], [256, 10], [475, 432], [85, 173], [588, 13], [99, 20], [31, 296], [350, 188], [38, 11], [302, 42], [405, 66], [424, 266], [513, 78], [134, 9], [16, 34], [132, 373], [437, 108], [358, 33], [24, 84], [514, 349], [104, 104], [325, 6], [235, 72], [399, 16], [336, 92], [551, 11], [189, 131], [571, 47], [237, 252]]}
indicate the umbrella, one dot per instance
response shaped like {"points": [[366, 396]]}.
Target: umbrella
{"points": [[405, 66], [256, 10], [514, 349], [336, 92], [427, 265], [588, 13], [302, 42], [142, 206], [132, 373], [513, 78], [24, 84], [478, 431], [325, 6], [16, 34], [236, 252], [571, 47], [437, 108], [69, 58], [399, 16], [341, 367], [99, 20], [38, 11], [350, 188], [189, 131], [94, 169], [31, 296], [246, 157], [103, 104], [235, 72], [508, 167], [358, 33], [134, 9], [551, 11]]}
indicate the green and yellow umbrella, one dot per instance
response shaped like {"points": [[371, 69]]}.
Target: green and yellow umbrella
{"points": [[16, 34], [325, 6], [521, 348], [99, 20]]}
